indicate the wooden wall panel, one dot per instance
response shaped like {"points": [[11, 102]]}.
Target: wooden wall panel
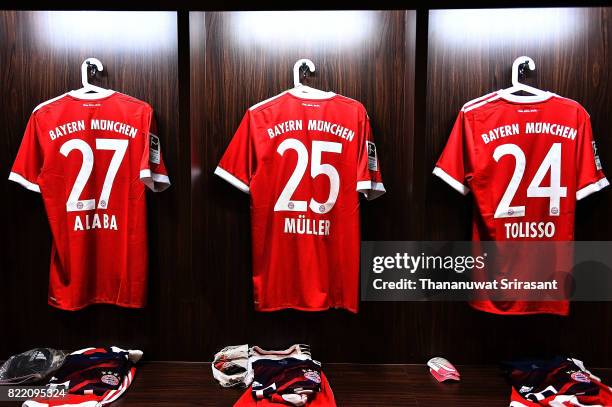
{"points": [[201, 84], [41, 54], [470, 54], [239, 59]]}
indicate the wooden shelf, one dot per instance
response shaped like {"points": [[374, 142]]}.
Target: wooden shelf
{"points": [[182, 384]]}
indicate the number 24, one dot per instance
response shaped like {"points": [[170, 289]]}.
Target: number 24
{"points": [[552, 163]]}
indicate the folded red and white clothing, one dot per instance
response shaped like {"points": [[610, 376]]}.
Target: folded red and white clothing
{"points": [[232, 365], [322, 398], [93, 377], [559, 382], [293, 379]]}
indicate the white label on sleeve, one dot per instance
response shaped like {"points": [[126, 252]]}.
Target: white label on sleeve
{"points": [[372, 160], [154, 150]]}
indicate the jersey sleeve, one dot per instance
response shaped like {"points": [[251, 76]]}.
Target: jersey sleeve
{"points": [[29, 160], [237, 165], [590, 175], [153, 172], [455, 164], [369, 178]]}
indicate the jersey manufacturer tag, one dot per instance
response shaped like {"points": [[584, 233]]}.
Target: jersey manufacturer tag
{"points": [[597, 160], [372, 159], [154, 150]]}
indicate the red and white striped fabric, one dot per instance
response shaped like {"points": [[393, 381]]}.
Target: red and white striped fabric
{"points": [[323, 398], [94, 377]]}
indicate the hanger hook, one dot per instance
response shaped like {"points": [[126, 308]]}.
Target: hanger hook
{"points": [[96, 66], [304, 68], [94, 69], [297, 68], [519, 68]]}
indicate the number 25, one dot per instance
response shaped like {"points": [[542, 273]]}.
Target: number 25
{"points": [[284, 202]]}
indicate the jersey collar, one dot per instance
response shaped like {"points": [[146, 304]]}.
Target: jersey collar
{"points": [[91, 96], [316, 95], [528, 99]]}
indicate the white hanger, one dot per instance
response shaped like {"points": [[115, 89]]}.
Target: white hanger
{"points": [[88, 88], [536, 94], [304, 91]]}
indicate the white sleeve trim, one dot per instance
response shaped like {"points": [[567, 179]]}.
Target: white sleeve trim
{"points": [[24, 182], [155, 182], [371, 189], [456, 185], [591, 188], [232, 179]]}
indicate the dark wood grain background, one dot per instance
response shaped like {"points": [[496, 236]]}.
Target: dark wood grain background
{"points": [[201, 71]]}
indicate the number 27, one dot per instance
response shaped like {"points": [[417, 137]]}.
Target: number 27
{"points": [[118, 146]]}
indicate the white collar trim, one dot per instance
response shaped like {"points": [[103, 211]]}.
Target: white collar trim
{"points": [[527, 99], [91, 96], [310, 93]]}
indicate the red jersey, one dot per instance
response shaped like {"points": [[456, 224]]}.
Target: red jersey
{"points": [[527, 160], [303, 162], [322, 398], [90, 157], [560, 382]]}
